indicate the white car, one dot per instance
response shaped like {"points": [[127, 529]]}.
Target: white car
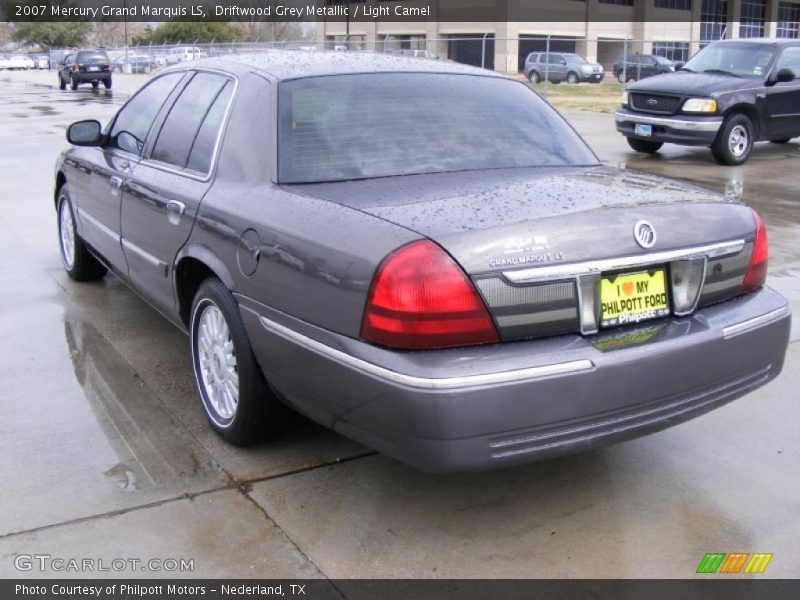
{"points": [[184, 54], [41, 62], [3, 63], [20, 61]]}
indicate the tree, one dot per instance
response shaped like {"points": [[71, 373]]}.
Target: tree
{"points": [[51, 35], [173, 32], [274, 31]]}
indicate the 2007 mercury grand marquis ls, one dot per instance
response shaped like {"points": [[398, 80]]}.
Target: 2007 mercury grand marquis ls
{"points": [[422, 256]]}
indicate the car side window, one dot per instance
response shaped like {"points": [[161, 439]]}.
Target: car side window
{"points": [[67, 59], [790, 59], [133, 122], [202, 151], [182, 125], [556, 59]]}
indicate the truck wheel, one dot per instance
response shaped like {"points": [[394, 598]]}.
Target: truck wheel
{"points": [[74, 84], [79, 263], [107, 83], [236, 398], [734, 140], [644, 145], [62, 85], [572, 78]]}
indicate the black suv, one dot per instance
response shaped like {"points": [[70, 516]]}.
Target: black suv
{"points": [[85, 66], [638, 66], [729, 95]]}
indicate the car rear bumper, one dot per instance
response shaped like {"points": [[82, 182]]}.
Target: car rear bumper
{"points": [[93, 76], [492, 406], [685, 130]]}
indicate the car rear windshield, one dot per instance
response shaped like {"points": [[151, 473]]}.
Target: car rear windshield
{"points": [[85, 57], [379, 125]]}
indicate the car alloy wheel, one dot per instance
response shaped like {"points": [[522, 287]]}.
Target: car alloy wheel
{"points": [[217, 368], [738, 141], [66, 231]]}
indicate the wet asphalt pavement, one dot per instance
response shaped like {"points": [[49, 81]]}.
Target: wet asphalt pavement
{"points": [[104, 451]]}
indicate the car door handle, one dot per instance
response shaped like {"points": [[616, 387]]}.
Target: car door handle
{"points": [[176, 207]]}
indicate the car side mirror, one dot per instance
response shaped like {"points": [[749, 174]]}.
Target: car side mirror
{"points": [[85, 133], [782, 76]]}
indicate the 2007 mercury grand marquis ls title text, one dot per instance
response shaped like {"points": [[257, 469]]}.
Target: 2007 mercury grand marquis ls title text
{"points": [[422, 256]]}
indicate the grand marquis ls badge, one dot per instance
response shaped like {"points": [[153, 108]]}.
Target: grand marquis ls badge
{"points": [[644, 234]]}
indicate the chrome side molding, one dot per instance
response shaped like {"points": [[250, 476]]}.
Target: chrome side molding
{"points": [[428, 383], [738, 328]]}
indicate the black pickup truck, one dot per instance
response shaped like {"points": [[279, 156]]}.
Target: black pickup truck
{"points": [[728, 96]]}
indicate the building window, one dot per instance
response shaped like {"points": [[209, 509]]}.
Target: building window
{"points": [[788, 20], [754, 14], [675, 51], [673, 4], [713, 21], [618, 2]]}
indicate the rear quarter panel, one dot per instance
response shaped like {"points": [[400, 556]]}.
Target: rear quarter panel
{"points": [[313, 259]]}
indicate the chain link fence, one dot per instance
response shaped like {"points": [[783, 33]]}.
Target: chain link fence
{"points": [[542, 59]]}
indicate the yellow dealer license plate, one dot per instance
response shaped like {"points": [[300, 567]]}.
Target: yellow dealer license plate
{"points": [[633, 297]]}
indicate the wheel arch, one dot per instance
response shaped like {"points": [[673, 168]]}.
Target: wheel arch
{"points": [[750, 112], [194, 265], [61, 179]]}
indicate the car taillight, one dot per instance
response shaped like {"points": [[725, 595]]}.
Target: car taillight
{"points": [[757, 269], [76, 67], [420, 298]]}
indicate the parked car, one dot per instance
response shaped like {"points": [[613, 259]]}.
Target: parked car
{"points": [[85, 66], [561, 66], [139, 63], [18, 62], [728, 96], [3, 62], [41, 61], [638, 66], [425, 303], [183, 54]]}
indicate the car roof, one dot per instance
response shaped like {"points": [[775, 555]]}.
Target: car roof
{"points": [[296, 64], [765, 41]]}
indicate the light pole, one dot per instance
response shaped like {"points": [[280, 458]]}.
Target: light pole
{"points": [[125, 24]]}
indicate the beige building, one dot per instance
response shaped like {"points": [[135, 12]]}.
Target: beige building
{"points": [[596, 29]]}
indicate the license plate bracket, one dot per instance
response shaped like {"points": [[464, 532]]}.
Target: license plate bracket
{"points": [[633, 297], [643, 130]]}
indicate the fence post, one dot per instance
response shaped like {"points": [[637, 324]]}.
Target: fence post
{"points": [[483, 51], [547, 65], [625, 61]]}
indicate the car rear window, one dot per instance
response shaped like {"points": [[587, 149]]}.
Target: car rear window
{"points": [[84, 57], [379, 125]]}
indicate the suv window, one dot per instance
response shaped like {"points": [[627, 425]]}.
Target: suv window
{"points": [[85, 57], [133, 122], [182, 125], [790, 59], [556, 59], [533, 57]]}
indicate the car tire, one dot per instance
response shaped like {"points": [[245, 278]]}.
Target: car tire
{"points": [[62, 85], [236, 399], [534, 77], [644, 145], [107, 83], [734, 140], [95, 85], [782, 141], [572, 78], [73, 84], [78, 262]]}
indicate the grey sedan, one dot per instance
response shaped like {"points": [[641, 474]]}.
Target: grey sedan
{"points": [[422, 256]]}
